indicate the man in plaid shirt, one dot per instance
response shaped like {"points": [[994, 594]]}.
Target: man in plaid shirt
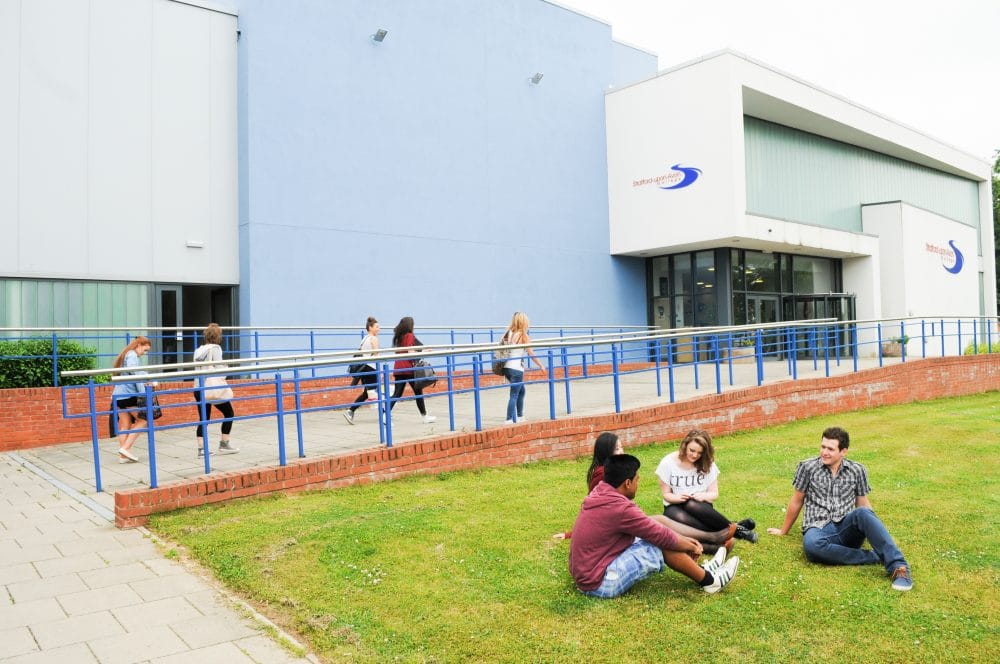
{"points": [[838, 515]]}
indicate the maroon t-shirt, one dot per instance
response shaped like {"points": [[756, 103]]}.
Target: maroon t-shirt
{"points": [[404, 368]]}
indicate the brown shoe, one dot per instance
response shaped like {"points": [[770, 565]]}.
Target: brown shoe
{"points": [[729, 545]]}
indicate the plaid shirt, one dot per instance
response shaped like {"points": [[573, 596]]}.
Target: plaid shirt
{"points": [[829, 498]]}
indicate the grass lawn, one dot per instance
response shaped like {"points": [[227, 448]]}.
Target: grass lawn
{"points": [[461, 567]]}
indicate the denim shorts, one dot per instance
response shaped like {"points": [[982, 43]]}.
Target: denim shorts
{"points": [[632, 565]]}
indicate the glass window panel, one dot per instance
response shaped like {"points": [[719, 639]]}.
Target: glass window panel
{"points": [[661, 276], [786, 274], [704, 271], [661, 312], [736, 270], [706, 313], [74, 303], [683, 312], [682, 274], [812, 275], [739, 309], [29, 303], [761, 272]]}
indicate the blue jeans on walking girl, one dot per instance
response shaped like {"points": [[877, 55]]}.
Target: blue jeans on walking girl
{"points": [[515, 405]]}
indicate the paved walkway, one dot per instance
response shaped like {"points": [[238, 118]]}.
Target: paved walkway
{"points": [[76, 589]]}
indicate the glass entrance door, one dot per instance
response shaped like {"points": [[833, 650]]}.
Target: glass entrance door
{"points": [[168, 342], [764, 309], [808, 306]]}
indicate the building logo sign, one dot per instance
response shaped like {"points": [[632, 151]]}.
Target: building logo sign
{"points": [[952, 259], [678, 178]]}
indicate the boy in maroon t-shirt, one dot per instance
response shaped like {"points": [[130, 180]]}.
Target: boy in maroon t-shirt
{"points": [[615, 544]]}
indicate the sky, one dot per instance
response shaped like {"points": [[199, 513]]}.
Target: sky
{"points": [[933, 66]]}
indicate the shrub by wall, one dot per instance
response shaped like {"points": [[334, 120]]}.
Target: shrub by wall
{"points": [[28, 362]]}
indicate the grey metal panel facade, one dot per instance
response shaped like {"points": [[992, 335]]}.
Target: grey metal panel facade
{"points": [[798, 176]]}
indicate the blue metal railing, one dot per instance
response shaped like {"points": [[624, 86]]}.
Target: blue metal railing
{"points": [[776, 351], [174, 345]]}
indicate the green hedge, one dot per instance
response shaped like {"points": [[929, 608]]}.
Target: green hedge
{"points": [[29, 363], [982, 349]]}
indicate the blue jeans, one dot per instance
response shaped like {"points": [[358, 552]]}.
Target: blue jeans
{"points": [[632, 565], [515, 405], [840, 543]]}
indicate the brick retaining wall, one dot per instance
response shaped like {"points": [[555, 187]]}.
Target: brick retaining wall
{"points": [[750, 408]]}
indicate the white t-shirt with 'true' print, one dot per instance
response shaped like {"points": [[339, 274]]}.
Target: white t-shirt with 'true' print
{"points": [[684, 480]]}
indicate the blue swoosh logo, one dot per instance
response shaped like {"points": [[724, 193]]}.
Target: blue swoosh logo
{"points": [[690, 175], [959, 259]]}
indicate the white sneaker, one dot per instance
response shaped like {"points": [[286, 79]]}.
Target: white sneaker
{"points": [[429, 419], [127, 454], [349, 416], [723, 575], [716, 562], [508, 421]]}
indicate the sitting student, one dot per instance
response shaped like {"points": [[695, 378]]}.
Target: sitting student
{"points": [[615, 544], [838, 515], [606, 445], [689, 483]]}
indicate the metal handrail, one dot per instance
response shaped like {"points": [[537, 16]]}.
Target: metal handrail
{"points": [[390, 354]]}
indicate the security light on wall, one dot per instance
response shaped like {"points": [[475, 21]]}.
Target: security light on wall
{"points": [[537, 78], [379, 35]]}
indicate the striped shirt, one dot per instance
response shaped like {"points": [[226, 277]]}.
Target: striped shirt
{"points": [[829, 498]]}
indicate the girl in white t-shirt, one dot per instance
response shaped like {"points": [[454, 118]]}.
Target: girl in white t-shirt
{"points": [[689, 483]]}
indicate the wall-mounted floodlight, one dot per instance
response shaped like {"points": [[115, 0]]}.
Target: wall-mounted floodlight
{"points": [[379, 35], [537, 78]]}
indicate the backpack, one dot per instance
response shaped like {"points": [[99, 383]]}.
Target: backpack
{"points": [[501, 355]]}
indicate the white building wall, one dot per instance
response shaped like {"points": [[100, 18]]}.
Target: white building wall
{"points": [[683, 119], [118, 141], [922, 273]]}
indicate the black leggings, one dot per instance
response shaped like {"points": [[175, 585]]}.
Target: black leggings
{"points": [[397, 391], [370, 382], [224, 407], [697, 515]]}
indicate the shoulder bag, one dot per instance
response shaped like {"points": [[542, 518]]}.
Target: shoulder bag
{"points": [[423, 375], [140, 404], [501, 355], [359, 367]]}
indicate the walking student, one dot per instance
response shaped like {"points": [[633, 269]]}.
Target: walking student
{"points": [[367, 375], [513, 371], [402, 370], [211, 351], [126, 395]]}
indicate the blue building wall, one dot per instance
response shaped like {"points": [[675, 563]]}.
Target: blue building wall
{"points": [[425, 175]]}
